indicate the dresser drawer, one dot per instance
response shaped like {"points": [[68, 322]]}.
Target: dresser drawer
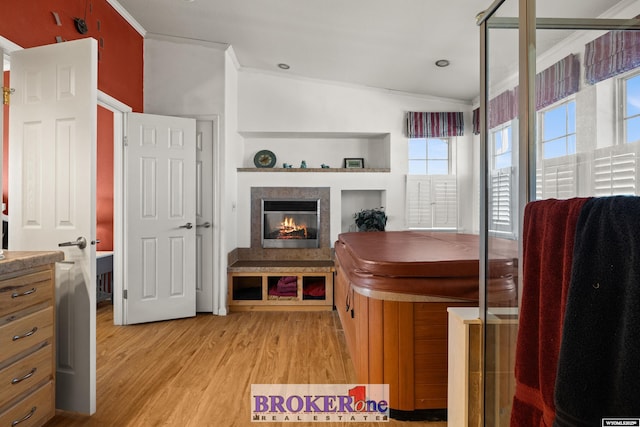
{"points": [[25, 374], [26, 332], [33, 410], [24, 291]]}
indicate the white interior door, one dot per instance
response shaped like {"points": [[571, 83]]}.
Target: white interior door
{"points": [[160, 224], [52, 162], [204, 215]]}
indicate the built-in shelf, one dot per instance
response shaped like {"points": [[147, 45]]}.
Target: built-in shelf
{"points": [[351, 170], [318, 148]]}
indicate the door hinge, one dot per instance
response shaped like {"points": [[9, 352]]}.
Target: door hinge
{"points": [[125, 141], [6, 94], [124, 293]]}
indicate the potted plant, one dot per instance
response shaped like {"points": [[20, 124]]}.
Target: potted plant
{"points": [[371, 219]]}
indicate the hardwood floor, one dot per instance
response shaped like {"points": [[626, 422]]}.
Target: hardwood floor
{"points": [[198, 371]]}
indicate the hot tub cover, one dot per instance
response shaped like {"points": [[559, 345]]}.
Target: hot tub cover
{"points": [[427, 263]]}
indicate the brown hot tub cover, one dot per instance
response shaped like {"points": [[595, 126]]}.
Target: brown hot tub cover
{"points": [[426, 263]]}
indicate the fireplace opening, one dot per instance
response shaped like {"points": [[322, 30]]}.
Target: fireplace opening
{"points": [[290, 223]]}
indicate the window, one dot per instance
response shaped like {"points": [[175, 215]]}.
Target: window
{"points": [[556, 167], [502, 147], [502, 199], [631, 113], [558, 130], [431, 198], [429, 156]]}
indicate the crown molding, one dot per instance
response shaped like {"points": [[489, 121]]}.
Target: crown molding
{"points": [[127, 17]]}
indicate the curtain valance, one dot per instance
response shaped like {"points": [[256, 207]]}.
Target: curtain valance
{"points": [[558, 81], [434, 125], [476, 121], [611, 54], [503, 108]]}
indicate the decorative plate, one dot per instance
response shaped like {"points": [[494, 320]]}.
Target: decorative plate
{"points": [[264, 159]]}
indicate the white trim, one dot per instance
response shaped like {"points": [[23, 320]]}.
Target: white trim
{"points": [[127, 17], [8, 46], [119, 110], [111, 103], [231, 53], [189, 41]]}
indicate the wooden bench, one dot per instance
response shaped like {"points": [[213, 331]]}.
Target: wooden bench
{"points": [[256, 285]]}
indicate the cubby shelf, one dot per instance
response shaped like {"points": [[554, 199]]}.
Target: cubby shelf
{"points": [[253, 285]]}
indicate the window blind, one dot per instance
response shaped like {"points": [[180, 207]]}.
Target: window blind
{"points": [[615, 171], [557, 178], [431, 202], [501, 200]]}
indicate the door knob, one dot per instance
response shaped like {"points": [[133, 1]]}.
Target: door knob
{"points": [[205, 225], [188, 226], [80, 242]]}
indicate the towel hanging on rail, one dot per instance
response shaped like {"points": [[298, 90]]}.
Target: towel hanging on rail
{"points": [[599, 363], [547, 238]]}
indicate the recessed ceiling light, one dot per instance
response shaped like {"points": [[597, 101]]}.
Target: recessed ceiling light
{"points": [[283, 66], [442, 63]]}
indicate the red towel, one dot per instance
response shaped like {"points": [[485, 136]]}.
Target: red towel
{"points": [[547, 238]]}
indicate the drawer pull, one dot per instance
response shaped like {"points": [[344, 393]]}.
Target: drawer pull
{"points": [[24, 294], [26, 334], [25, 418], [25, 377]]}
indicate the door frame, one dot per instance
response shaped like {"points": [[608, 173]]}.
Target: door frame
{"points": [[119, 111], [219, 291]]}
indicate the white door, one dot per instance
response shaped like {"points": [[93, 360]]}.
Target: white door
{"points": [[52, 166], [160, 224], [204, 215]]}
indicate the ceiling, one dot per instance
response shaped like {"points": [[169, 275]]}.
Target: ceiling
{"points": [[388, 44]]}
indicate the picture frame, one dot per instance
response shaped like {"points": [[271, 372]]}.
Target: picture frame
{"points": [[354, 163]]}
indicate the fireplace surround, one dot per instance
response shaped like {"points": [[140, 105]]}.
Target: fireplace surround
{"points": [[320, 250]]}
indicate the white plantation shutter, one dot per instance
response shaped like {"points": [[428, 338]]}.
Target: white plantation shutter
{"points": [[500, 200], [445, 208], [557, 178], [615, 171], [432, 201]]}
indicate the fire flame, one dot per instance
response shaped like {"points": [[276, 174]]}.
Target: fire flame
{"points": [[289, 226]]}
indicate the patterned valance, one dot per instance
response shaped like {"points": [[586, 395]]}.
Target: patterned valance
{"points": [[476, 121], [611, 54], [558, 81], [434, 125], [503, 108]]}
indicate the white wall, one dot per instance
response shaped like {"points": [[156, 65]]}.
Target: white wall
{"points": [[181, 78], [276, 104]]}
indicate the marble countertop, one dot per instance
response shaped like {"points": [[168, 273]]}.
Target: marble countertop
{"points": [[21, 260]]}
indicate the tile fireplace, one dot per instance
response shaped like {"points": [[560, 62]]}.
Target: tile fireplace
{"points": [[279, 218]]}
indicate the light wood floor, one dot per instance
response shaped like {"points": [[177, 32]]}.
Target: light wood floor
{"points": [[199, 371]]}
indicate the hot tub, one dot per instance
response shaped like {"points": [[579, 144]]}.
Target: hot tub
{"points": [[392, 291]]}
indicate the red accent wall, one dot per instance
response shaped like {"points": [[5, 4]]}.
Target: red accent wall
{"points": [[104, 181], [120, 74], [120, 46]]}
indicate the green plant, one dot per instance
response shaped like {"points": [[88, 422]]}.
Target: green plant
{"points": [[371, 219]]}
